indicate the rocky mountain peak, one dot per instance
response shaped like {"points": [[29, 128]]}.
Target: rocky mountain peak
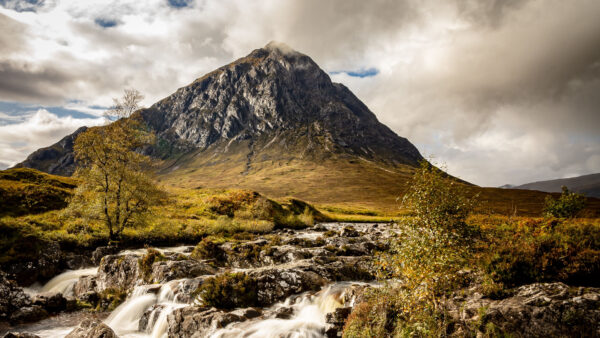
{"points": [[273, 97]]}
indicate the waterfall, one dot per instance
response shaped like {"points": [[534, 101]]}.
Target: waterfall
{"points": [[308, 320], [64, 282]]}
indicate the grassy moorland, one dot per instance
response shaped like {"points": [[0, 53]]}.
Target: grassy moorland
{"points": [[35, 208]]}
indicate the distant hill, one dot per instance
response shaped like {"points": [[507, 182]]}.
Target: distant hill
{"points": [[589, 185]]}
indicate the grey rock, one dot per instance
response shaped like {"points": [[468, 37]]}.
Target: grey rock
{"points": [[102, 251], [164, 271], [20, 335], [150, 317], [92, 329], [51, 301], [535, 310], [336, 321], [27, 314], [118, 272], [199, 322], [12, 296]]}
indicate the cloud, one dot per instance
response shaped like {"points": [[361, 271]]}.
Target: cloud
{"points": [[38, 129], [503, 91]]}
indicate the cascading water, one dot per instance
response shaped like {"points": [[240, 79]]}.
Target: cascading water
{"points": [[308, 320], [62, 283]]}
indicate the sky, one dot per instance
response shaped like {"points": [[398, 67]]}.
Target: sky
{"points": [[500, 91]]}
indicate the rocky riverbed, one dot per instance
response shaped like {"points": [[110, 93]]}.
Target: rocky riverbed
{"points": [[306, 283]]}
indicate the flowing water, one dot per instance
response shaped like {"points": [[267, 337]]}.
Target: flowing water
{"points": [[308, 318]]}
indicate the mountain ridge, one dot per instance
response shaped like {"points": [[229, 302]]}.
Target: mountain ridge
{"points": [[588, 185]]}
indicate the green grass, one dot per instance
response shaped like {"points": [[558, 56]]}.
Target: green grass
{"points": [[24, 191]]}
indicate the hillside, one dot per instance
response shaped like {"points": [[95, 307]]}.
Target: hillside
{"points": [[589, 185]]}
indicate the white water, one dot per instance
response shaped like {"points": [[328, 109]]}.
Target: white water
{"points": [[308, 320], [62, 283]]}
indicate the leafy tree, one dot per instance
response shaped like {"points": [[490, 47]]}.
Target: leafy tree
{"points": [[566, 206], [431, 247], [116, 187]]}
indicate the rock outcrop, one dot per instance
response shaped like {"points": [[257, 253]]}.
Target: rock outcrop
{"points": [[92, 329], [534, 310]]}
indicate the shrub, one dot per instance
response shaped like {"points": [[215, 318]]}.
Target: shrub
{"points": [[566, 206], [430, 249], [146, 262], [209, 248], [229, 291]]}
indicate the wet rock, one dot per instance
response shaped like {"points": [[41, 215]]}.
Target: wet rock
{"points": [[12, 296], [284, 313], [150, 317], [349, 231], [20, 335], [275, 284], [43, 263], [283, 254], [248, 313], [27, 314], [84, 285], [164, 271], [118, 272], [75, 261], [199, 322], [535, 310], [92, 329], [50, 301], [336, 321], [102, 251], [185, 291]]}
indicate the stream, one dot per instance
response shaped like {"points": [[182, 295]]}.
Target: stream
{"points": [[153, 303]]}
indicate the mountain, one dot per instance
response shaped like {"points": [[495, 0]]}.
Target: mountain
{"points": [[274, 122], [57, 159], [589, 185]]}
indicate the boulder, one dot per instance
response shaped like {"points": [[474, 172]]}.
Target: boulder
{"points": [[150, 317], [12, 296], [42, 263], [336, 321], [196, 322], [276, 284], [118, 272], [20, 335], [102, 251], [535, 310], [74, 261], [165, 271], [248, 313], [51, 301], [92, 329], [27, 314], [284, 312], [84, 286]]}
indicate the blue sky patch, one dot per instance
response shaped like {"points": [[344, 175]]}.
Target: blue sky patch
{"points": [[22, 5], [14, 112], [105, 23], [179, 3], [358, 73]]}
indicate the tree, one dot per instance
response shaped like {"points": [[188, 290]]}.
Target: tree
{"points": [[126, 105], [116, 187], [568, 205], [431, 247]]}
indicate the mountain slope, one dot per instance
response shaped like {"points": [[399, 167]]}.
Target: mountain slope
{"points": [[589, 185], [274, 122]]}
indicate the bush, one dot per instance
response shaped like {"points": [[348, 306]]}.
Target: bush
{"points": [[568, 205], [209, 248], [542, 250], [146, 262], [430, 249], [229, 291]]}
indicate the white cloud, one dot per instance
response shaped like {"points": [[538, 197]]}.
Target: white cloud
{"points": [[502, 91], [38, 130]]}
